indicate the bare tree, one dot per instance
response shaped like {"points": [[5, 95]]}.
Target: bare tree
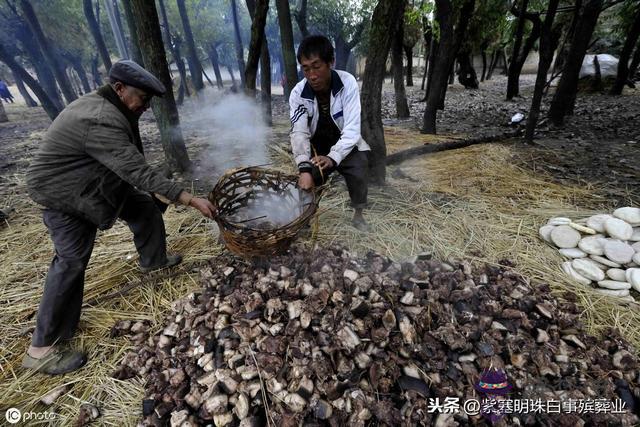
{"points": [[238, 41], [255, 10], [49, 106], [23, 91], [195, 68], [623, 63], [565, 97], [520, 52], [448, 45], [402, 107], [288, 52], [548, 42], [173, 45], [385, 20], [300, 15], [94, 28], [48, 51], [149, 37]]}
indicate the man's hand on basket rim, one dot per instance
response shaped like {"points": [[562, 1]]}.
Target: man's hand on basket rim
{"points": [[305, 181], [323, 162], [205, 207]]}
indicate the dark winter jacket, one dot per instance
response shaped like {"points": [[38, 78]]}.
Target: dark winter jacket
{"points": [[88, 162]]}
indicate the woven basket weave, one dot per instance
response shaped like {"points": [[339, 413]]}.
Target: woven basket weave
{"points": [[237, 189]]}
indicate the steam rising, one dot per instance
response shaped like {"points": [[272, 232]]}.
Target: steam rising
{"points": [[271, 209], [230, 131]]}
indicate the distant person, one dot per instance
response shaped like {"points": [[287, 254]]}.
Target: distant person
{"points": [[325, 125], [88, 172], [5, 94]]}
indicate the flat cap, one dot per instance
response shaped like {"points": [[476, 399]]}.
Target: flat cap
{"points": [[130, 73]]}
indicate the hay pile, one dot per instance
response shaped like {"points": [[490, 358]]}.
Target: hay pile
{"points": [[473, 203]]}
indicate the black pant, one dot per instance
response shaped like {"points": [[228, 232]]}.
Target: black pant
{"points": [[73, 239], [355, 170]]}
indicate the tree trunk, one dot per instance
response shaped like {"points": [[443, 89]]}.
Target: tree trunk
{"points": [[265, 82], [149, 38], [513, 75], [288, 52], [518, 60], [56, 66], [466, 73], [492, 64], [343, 52], [40, 65], [136, 53], [385, 20], [233, 79], [427, 33], [403, 155], [184, 82], [215, 63], [565, 96], [3, 113], [596, 84], [634, 63], [301, 17], [97, 79], [23, 91], [402, 107], [265, 60], [173, 45], [76, 63], [623, 68], [96, 33], [408, 53], [483, 53], [548, 42], [195, 68], [452, 76], [505, 62], [238, 42], [258, 10], [447, 49], [433, 53], [118, 35], [50, 108]]}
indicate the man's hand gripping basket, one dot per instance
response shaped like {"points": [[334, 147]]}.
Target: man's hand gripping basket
{"points": [[261, 211]]}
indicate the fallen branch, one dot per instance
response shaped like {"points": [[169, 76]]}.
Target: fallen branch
{"points": [[434, 148]]}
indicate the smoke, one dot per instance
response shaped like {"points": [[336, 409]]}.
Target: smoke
{"points": [[271, 209], [229, 132]]}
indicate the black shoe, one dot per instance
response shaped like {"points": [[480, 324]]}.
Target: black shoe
{"points": [[361, 224], [59, 360], [171, 261]]}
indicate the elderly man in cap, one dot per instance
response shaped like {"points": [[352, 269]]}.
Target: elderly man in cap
{"points": [[89, 171]]}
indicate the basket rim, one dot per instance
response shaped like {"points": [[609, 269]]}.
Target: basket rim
{"points": [[308, 212]]}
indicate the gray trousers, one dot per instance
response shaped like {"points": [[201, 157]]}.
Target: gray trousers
{"points": [[73, 238], [355, 170]]}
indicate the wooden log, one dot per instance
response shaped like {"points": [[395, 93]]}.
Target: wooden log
{"points": [[403, 155]]}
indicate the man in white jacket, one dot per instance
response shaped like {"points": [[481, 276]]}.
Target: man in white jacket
{"points": [[325, 125]]}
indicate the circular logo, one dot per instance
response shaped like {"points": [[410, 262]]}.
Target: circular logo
{"points": [[13, 415]]}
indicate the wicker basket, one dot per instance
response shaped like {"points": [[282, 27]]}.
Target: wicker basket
{"points": [[241, 190]]}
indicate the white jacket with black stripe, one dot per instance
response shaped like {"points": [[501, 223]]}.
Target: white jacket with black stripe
{"points": [[345, 112]]}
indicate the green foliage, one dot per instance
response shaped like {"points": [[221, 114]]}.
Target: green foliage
{"points": [[613, 26], [338, 18], [65, 24]]}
